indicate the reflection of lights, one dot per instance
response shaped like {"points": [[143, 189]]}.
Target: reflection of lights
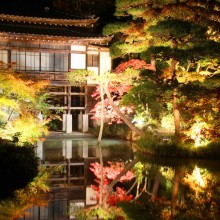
{"points": [[198, 177]]}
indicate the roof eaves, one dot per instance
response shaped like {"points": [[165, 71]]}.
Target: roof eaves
{"points": [[102, 40]]}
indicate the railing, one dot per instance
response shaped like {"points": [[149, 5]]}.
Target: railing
{"points": [[55, 76]]}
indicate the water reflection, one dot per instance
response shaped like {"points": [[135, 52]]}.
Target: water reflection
{"points": [[70, 178], [162, 188], [178, 189]]}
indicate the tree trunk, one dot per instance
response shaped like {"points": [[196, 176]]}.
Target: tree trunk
{"points": [[100, 147], [176, 113], [153, 62], [122, 116]]}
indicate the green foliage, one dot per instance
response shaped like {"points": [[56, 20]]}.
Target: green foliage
{"points": [[102, 213], [137, 12], [167, 122], [24, 129], [185, 33], [181, 38], [142, 97], [115, 28], [113, 130], [120, 49], [139, 169], [78, 77]]}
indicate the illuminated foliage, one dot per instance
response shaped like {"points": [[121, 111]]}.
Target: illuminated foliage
{"points": [[182, 40], [112, 212], [115, 85], [21, 102]]}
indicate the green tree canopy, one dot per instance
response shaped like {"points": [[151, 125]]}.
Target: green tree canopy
{"points": [[182, 39]]}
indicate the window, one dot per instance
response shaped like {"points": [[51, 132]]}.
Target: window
{"points": [[4, 56], [92, 60], [54, 62], [32, 61], [61, 62], [78, 61], [47, 61], [26, 60], [18, 57], [78, 57], [36, 61]]}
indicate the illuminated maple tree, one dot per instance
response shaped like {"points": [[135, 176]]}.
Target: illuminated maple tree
{"points": [[113, 86], [21, 102]]}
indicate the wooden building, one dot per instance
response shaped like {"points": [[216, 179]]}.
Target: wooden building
{"points": [[50, 45]]}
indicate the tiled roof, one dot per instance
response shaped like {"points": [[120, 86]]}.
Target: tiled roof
{"points": [[49, 33], [38, 20], [45, 29]]}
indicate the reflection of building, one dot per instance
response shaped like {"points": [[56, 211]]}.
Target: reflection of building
{"points": [[71, 184], [49, 46]]}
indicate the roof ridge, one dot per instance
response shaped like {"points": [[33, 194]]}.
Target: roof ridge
{"points": [[55, 21]]}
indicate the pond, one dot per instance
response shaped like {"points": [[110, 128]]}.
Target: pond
{"points": [[186, 189]]}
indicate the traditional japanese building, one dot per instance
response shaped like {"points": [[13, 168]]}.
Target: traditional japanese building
{"points": [[48, 46]]}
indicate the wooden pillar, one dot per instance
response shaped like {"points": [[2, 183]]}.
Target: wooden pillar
{"points": [[65, 96], [69, 100], [86, 98]]}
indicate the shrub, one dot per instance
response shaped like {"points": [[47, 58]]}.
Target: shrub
{"points": [[156, 145], [18, 166], [112, 130]]}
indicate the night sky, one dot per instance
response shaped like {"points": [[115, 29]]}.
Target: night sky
{"points": [[23, 7], [36, 8]]}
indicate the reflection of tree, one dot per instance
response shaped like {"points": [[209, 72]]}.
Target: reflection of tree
{"points": [[193, 193], [156, 185], [178, 193], [32, 194], [162, 193], [109, 174], [175, 191], [105, 210], [202, 197]]}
